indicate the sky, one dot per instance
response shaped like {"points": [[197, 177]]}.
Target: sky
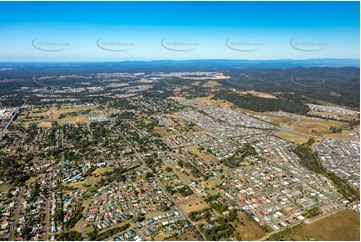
{"points": [[115, 31]]}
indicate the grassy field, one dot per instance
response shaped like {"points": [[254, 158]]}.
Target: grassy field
{"points": [[66, 108], [219, 103], [101, 170], [90, 181], [283, 121], [37, 178], [35, 115], [43, 117], [211, 84], [153, 214], [192, 204], [204, 156], [5, 187], [183, 177], [248, 229], [343, 135], [293, 137], [45, 124], [162, 131], [316, 126], [342, 226], [188, 235], [78, 225]]}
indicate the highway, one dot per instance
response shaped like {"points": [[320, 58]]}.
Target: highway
{"points": [[2, 133]]}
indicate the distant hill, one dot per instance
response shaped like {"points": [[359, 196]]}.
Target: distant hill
{"points": [[167, 65]]}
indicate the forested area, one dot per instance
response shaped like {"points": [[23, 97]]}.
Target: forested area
{"points": [[260, 104]]}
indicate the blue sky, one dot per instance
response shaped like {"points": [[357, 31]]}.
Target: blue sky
{"points": [[189, 30]]}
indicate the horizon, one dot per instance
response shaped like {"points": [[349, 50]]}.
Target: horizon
{"points": [[184, 60], [145, 31]]}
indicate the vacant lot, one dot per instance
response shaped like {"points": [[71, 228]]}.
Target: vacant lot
{"points": [[316, 126], [45, 124], [343, 135], [163, 131], [248, 229], [283, 121], [188, 235], [293, 137], [183, 177], [257, 94], [192, 204], [219, 103], [204, 156], [344, 225]]}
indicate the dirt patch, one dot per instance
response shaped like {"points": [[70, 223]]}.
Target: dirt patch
{"points": [[221, 77], [257, 94]]}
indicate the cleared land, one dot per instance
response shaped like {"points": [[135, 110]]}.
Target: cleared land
{"points": [[192, 204], [204, 156], [283, 121], [219, 103], [293, 137], [248, 229], [211, 84], [344, 225], [316, 126], [162, 131], [188, 235], [45, 124], [257, 94]]}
